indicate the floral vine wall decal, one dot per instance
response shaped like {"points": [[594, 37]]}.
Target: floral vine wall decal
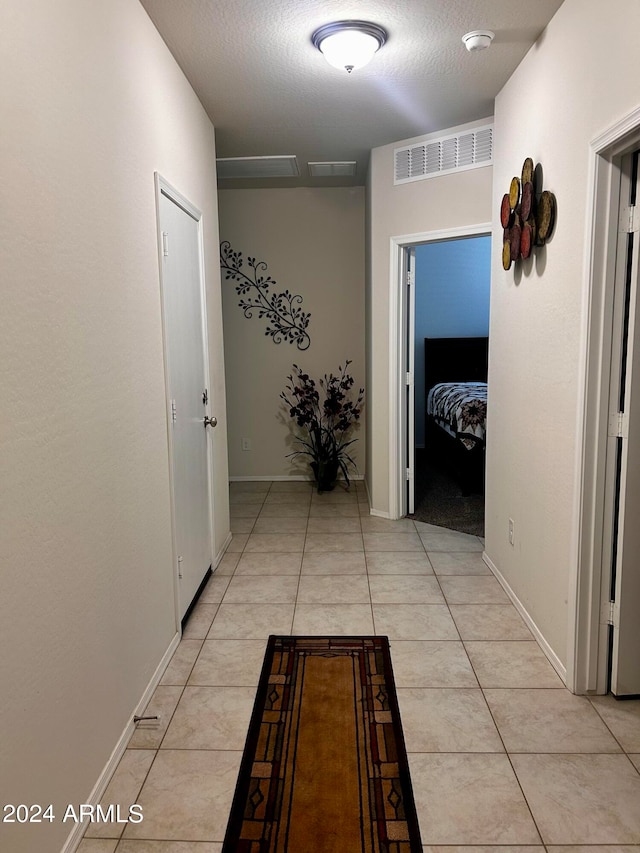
{"points": [[287, 321]]}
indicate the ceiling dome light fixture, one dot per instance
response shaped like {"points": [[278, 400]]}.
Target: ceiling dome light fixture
{"points": [[349, 44], [478, 39]]}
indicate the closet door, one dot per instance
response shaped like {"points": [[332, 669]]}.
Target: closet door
{"points": [[185, 346]]}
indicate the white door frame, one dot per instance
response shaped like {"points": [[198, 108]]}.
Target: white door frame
{"points": [[163, 187], [409, 283], [587, 651], [397, 346]]}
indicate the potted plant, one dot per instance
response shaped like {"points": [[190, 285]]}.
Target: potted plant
{"points": [[327, 424]]}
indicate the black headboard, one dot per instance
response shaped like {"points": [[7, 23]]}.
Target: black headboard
{"points": [[455, 360]]}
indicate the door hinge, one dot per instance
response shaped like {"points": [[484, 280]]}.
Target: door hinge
{"points": [[608, 613], [409, 379], [205, 397], [165, 244], [411, 278], [174, 413], [629, 220], [180, 567], [618, 425], [409, 474]]}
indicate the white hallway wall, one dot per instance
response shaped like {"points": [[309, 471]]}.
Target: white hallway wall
{"points": [[436, 204], [313, 243], [91, 103], [584, 70]]}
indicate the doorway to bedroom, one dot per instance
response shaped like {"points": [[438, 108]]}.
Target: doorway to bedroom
{"points": [[443, 330], [451, 332]]}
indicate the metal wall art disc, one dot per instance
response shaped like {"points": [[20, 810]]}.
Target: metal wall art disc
{"points": [[527, 215]]}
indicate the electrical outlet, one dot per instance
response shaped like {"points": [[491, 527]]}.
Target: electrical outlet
{"points": [[511, 531], [246, 444]]}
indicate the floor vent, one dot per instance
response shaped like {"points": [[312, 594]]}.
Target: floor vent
{"points": [[444, 155]]}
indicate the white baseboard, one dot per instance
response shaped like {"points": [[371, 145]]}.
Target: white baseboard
{"points": [[279, 478], [282, 478], [377, 513], [368, 493], [222, 551], [75, 836], [552, 657]]}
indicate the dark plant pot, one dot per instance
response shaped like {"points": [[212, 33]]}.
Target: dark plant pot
{"points": [[325, 472]]}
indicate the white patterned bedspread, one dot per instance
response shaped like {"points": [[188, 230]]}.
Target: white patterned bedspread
{"points": [[460, 408]]}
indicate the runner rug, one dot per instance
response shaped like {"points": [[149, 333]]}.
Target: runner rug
{"points": [[324, 768]]}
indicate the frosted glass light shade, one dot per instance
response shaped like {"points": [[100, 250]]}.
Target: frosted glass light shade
{"points": [[349, 49], [349, 44]]}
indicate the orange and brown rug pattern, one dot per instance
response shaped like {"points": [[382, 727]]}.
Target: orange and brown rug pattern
{"points": [[324, 768]]}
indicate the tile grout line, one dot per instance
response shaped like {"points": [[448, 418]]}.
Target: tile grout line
{"points": [[368, 575], [595, 708], [304, 547]]}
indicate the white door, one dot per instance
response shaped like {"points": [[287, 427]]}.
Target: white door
{"points": [[624, 448], [185, 347], [410, 282]]}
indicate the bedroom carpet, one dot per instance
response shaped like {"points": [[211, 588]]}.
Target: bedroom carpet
{"points": [[324, 768], [439, 500]]}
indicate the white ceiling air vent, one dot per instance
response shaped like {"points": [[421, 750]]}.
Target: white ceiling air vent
{"points": [[280, 166], [338, 168], [455, 153]]}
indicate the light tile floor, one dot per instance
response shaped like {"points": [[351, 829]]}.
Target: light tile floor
{"points": [[501, 754]]}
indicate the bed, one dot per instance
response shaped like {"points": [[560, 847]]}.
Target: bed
{"points": [[456, 406]]}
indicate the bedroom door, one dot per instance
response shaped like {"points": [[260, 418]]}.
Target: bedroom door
{"points": [[623, 455], [187, 390], [410, 290]]}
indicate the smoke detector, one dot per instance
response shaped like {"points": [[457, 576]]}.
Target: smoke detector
{"points": [[478, 39]]}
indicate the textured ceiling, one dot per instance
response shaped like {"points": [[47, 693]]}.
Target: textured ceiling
{"points": [[268, 90]]}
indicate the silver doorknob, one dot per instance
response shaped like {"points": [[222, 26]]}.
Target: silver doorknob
{"points": [[210, 422]]}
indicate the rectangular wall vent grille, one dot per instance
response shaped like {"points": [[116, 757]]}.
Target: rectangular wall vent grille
{"points": [[445, 155], [336, 168], [276, 166]]}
